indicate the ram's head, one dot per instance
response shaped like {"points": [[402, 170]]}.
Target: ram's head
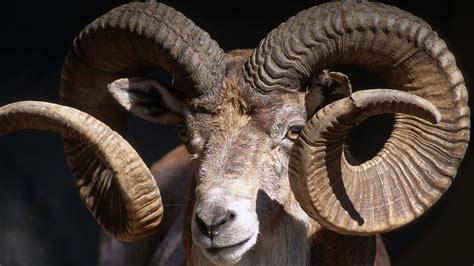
{"points": [[254, 123]]}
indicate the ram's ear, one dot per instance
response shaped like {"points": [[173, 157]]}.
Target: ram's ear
{"points": [[326, 88], [148, 99]]}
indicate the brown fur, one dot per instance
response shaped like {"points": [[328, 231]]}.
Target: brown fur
{"points": [[243, 150]]}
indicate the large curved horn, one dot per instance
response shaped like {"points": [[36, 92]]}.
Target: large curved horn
{"points": [[114, 183], [418, 162], [332, 191], [132, 40]]}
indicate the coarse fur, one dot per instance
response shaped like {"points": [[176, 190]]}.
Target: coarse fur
{"points": [[241, 158]]}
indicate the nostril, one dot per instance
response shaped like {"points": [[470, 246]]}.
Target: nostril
{"points": [[222, 217], [210, 225], [203, 227], [230, 216], [222, 221]]}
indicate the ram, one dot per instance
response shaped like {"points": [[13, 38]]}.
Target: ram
{"points": [[265, 174]]}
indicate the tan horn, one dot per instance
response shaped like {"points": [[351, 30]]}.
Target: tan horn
{"points": [[420, 159], [112, 180]]}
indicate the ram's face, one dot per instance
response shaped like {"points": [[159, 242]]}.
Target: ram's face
{"points": [[242, 151]]}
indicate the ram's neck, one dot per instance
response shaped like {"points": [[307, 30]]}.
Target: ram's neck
{"points": [[287, 243]]}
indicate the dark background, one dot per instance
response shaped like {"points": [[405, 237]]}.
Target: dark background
{"points": [[43, 222]]}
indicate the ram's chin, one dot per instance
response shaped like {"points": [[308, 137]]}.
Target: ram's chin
{"points": [[231, 254]]}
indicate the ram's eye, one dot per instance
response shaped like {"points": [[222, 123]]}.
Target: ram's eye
{"points": [[183, 133], [293, 132]]}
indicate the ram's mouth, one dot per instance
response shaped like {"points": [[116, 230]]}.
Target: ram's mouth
{"points": [[230, 254], [216, 250]]}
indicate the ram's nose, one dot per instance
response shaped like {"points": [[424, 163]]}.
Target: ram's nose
{"points": [[211, 223]]}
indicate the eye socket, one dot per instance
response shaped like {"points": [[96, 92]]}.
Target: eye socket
{"points": [[182, 133], [293, 132]]}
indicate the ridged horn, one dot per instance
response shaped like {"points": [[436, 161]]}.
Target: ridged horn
{"points": [[420, 159], [335, 193], [132, 40], [113, 182]]}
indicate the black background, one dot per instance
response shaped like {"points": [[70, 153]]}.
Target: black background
{"points": [[43, 222]]}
